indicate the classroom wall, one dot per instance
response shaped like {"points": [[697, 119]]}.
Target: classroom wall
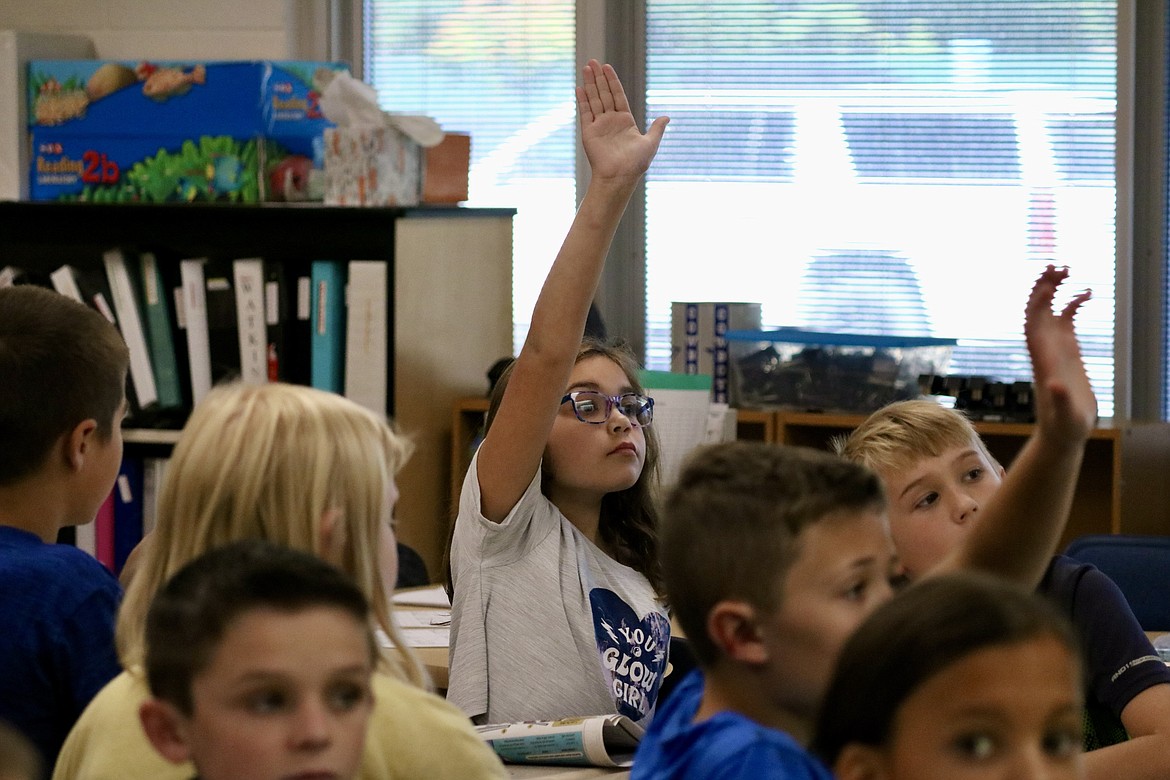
{"points": [[163, 29]]}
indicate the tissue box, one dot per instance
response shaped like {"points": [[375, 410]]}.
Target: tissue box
{"points": [[371, 166], [790, 368], [176, 131]]}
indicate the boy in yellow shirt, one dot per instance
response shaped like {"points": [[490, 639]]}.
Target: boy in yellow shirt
{"points": [[260, 660]]}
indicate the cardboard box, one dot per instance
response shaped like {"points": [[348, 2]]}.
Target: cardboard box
{"points": [[371, 166], [446, 169], [17, 47], [697, 340], [173, 131]]}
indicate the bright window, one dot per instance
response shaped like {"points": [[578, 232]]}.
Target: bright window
{"points": [[504, 72], [894, 167], [887, 167]]}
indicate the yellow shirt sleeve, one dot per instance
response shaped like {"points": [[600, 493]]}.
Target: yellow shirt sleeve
{"points": [[413, 735]]}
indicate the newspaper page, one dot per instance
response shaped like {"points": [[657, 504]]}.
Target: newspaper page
{"points": [[597, 740]]}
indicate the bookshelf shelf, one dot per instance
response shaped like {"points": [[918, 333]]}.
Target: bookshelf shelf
{"points": [[449, 281], [1098, 501], [1121, 489]]}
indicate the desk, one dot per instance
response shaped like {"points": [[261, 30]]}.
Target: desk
{"points": [[428, 598], [435, 661], [533, 772]]}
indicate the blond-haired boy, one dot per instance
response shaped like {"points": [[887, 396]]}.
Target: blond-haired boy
{"points": [[941, 479]]}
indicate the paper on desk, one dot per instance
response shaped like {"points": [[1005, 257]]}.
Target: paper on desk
{"points": [[439, 636], [421, 618], [430, 596], [427, 637]]}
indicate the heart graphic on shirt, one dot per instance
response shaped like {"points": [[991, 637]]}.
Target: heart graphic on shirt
{"points": [[633, 651]]}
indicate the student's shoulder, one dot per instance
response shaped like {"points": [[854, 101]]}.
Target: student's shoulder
{"points": [[728, 745], [107, 741], [747, 749], [1080, 586], [55, 567], [415, 733]]}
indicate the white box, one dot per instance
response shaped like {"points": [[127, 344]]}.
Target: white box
{"points": [[16, 49], [371, 166], [697, 343]]}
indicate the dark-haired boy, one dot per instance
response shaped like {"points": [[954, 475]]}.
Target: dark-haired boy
{"points": [[62, 400], [259, 659], [772, 556]]}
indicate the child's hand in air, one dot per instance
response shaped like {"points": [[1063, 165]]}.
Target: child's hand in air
{"points": [[1066, 408], [616, 148]]}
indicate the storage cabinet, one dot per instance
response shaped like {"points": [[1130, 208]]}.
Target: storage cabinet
{"points": [[450, 283], [1124, 485]]}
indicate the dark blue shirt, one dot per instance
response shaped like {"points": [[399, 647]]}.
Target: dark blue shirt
{"points": [[1120, 662], [57, 607]]}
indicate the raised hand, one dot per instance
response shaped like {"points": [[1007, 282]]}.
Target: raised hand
{"points": [[1066, 408], [615, 146]]}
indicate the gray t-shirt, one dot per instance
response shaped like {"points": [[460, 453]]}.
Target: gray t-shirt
{"points": [[545, 625]]}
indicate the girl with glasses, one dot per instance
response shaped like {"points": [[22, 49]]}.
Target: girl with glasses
{"points": [[555, 608]]}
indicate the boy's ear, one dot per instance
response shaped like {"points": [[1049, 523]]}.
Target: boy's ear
{"points": [[734, 628], [164, 727], [79, 442], [332, 537], [860, 762]]}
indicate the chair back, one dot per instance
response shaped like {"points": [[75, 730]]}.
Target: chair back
{"points": [[1140, 567]]}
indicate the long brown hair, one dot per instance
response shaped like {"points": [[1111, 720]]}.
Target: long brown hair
{"points": [[629, 518]]}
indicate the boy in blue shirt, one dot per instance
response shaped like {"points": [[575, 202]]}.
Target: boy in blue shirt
{"points": [[772, 556], [62, 400]]}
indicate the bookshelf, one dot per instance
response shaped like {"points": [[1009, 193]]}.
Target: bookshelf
{"points": [[449, 282]]}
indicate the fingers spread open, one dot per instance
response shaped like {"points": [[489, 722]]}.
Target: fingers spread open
{"points": [[1075, 304]]}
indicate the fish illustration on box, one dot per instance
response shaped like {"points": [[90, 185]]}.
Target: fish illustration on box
{"points": [[162, 83]]}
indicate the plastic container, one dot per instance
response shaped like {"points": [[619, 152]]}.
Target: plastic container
{"points": [[789, 368], [1162, 646]]}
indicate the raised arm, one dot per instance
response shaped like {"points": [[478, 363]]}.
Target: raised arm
{"points": [[619, 153], [1025, 519]]}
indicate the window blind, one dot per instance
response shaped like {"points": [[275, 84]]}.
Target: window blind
{"points": [[503, 71], [898, 168]]}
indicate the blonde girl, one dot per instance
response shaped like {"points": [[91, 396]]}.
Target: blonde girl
{"points": [[312, 471]]}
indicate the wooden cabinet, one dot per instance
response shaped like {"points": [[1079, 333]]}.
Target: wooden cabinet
{"points": [[1124, 485], [450, 285]]}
